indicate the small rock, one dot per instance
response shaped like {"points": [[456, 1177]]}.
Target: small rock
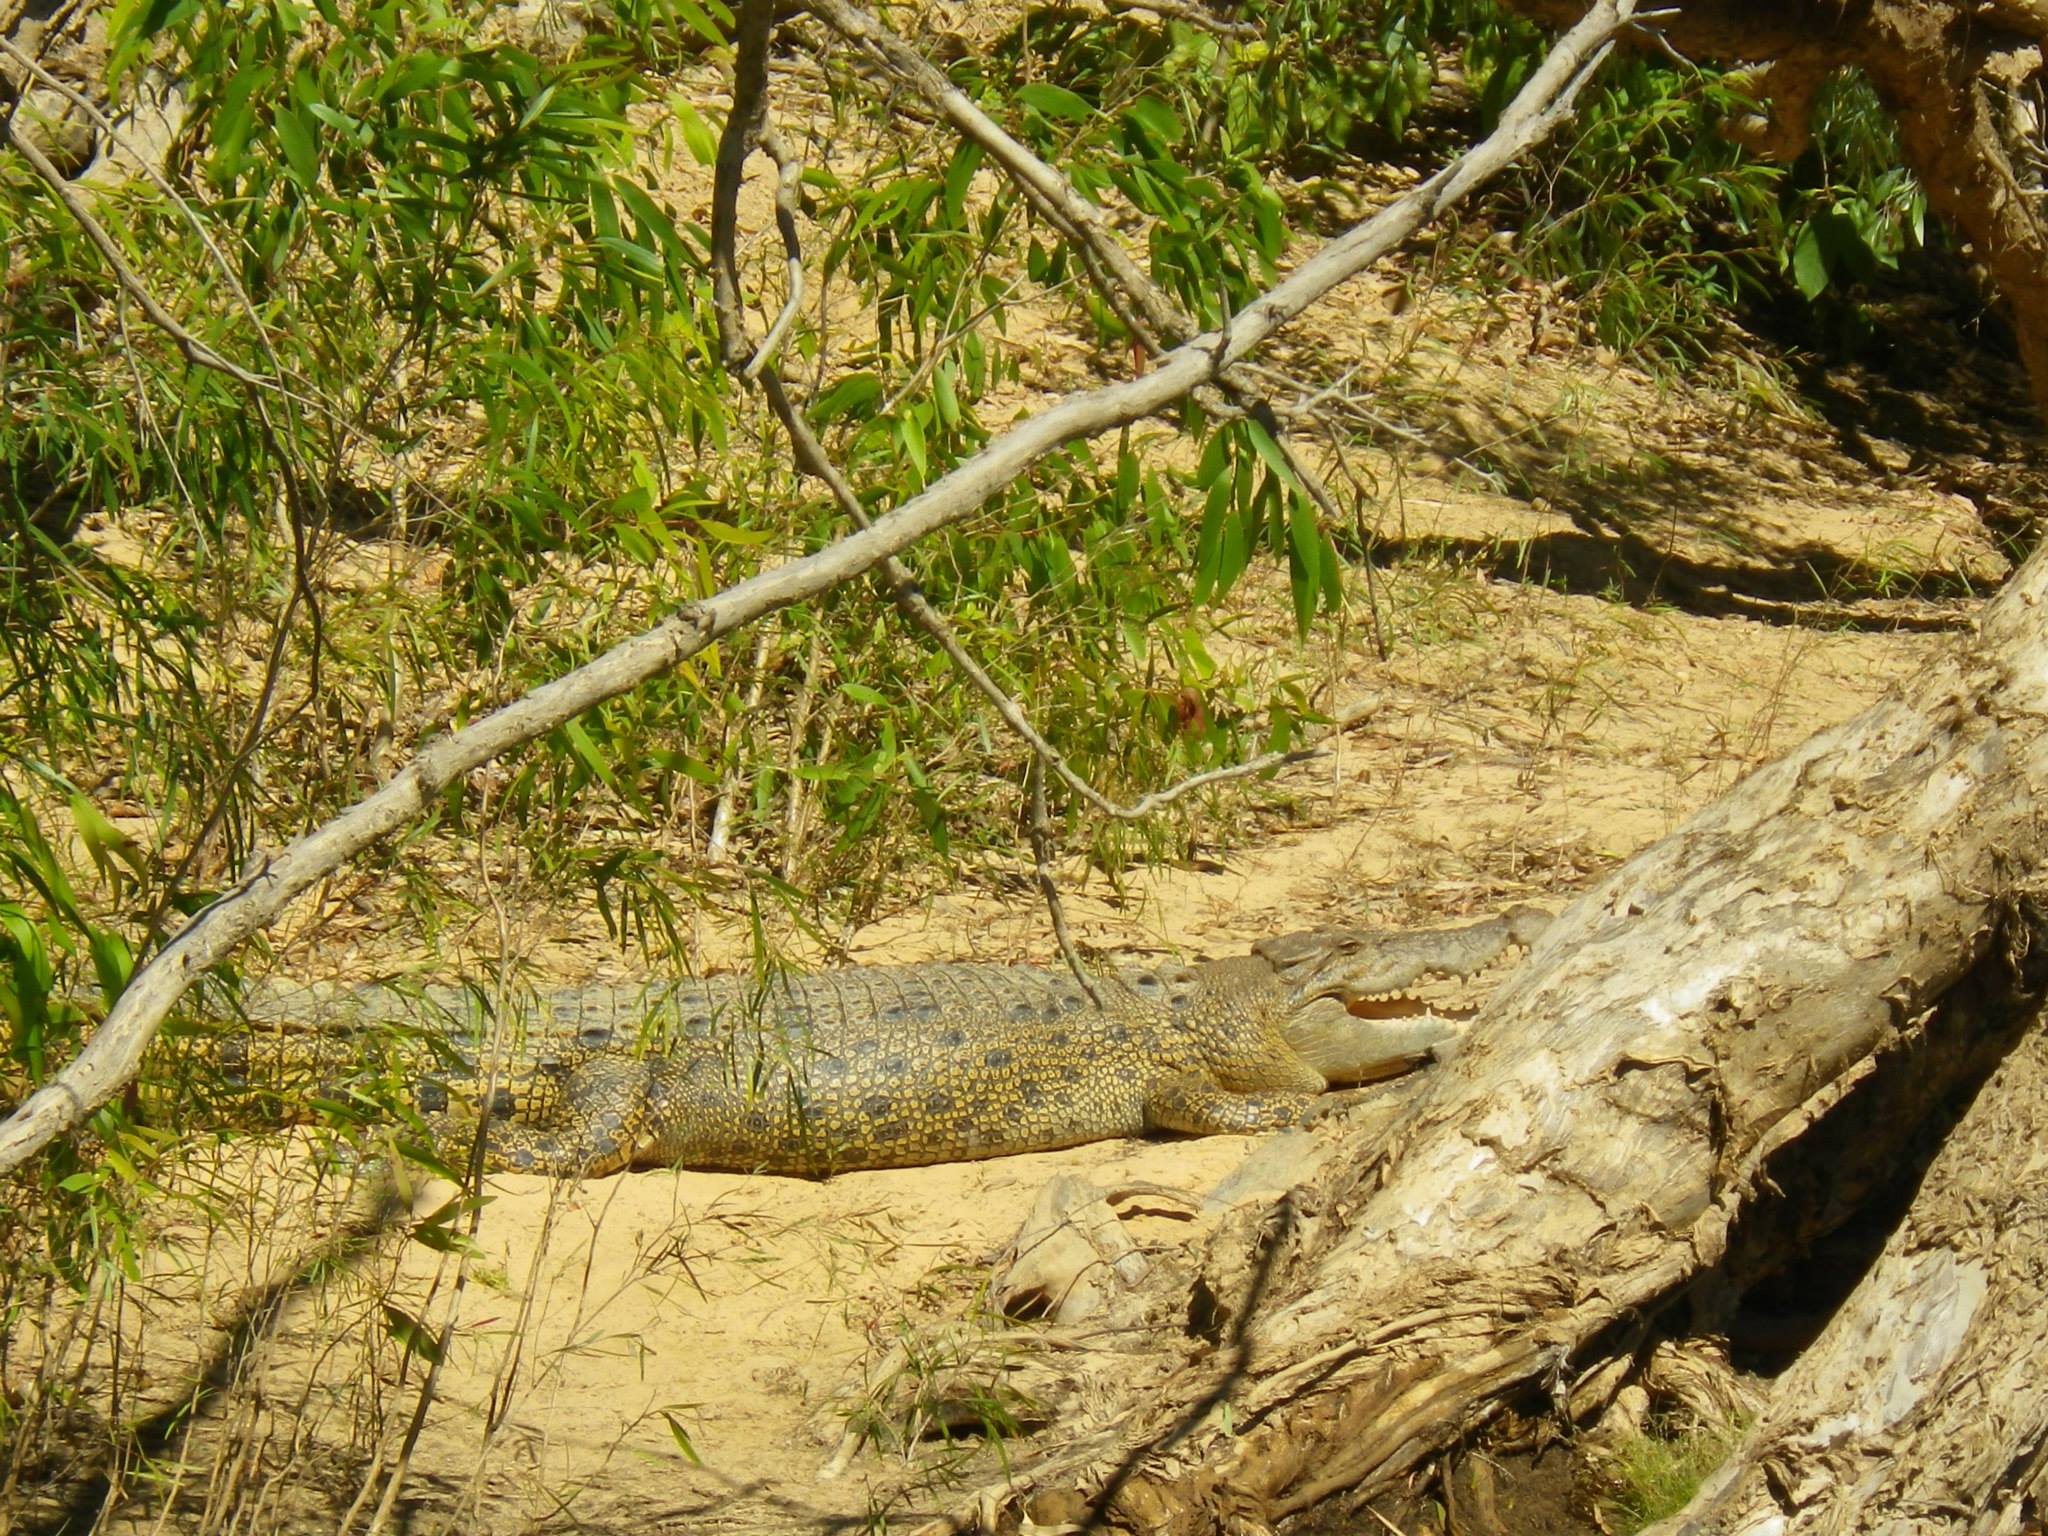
{"points": [[53, 124]]}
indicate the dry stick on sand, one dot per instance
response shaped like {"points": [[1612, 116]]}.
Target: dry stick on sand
{"points": [[110, 1059]]}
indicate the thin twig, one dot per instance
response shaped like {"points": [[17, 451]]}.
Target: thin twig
{"points": [[788, 171], [754, 26], [721, 814], [1199, 16], [1042, 855]]}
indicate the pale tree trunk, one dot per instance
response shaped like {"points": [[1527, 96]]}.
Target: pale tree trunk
{"points": [[1724, 999]]}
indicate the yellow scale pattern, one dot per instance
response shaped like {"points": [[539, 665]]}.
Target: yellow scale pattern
{"points": [[888, 1067]]}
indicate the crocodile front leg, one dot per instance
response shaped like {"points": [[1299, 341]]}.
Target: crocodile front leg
{"points": [[587, 1118], [1195, 1106]]}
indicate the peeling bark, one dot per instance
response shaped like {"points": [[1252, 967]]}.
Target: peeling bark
{"points": [[1923, 1407], [1613, 1113]]}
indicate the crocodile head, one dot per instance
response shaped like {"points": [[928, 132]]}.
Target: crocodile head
{"points": [[1368, 1005]]}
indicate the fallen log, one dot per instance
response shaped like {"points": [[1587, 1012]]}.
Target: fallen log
{"points": [[1611, 1117]]}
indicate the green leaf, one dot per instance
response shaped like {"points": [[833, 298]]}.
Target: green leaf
{"points": [[1809, 262], [301, 152], [715, 32], [113, 962], [959, 177], [636, 256], [656, 220], [1304, 563], [586, 749], [411, 1334], [1157, 119], [1055, 101], [148, 18], [1333, 578], [729, 533], [1209, 544], [1273, 455], [698, 138], [910, 432], [443, 1238], [852, 393], [675, 1427]]}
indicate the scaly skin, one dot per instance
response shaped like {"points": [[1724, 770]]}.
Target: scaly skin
{"points": [[886, 1067]]}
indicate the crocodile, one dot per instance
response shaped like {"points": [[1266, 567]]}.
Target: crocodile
{"points": [[897, 1066]]}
